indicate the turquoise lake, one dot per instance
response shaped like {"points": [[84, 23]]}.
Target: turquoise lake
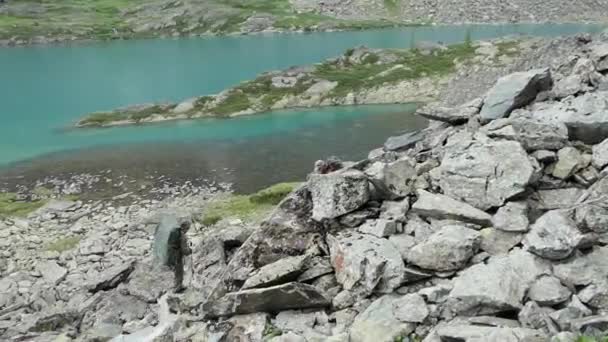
{"points": [[44, 89]]}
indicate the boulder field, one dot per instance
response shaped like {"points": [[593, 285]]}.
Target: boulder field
{"points": [[490, 225]]}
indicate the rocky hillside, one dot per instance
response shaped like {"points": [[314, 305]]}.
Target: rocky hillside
{"points": [[458, 11], [38, 21], [490, 225]]}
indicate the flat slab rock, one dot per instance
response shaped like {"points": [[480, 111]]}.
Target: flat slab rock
{"points": [[485, 174], [444, 207], [514, 91], [271, 299]]}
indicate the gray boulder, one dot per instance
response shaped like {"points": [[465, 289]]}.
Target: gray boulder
{"points": [[444, 207], [595, 295], [271, 299], [549, 291], [51, 272], [598, 53], [600, 154], [569, 160], [411, 308], [366, 263], [281, 271], [496, 241], [512, 217], [109, 278], [586, 116], [533, 135], [553, 236], [592, 217], [449, 249], [500, 285], [404, 141], [394, 179], [584, 269], [453, 116], [380, 227], [380, 323], [486, 174], [337, 193], [514, 91]]}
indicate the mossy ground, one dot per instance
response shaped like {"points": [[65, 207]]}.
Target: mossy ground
{"points": [[414, 64], [592, 339], [64, 244], [246, 207], [102, 118], [107, 19], [11, 207]]}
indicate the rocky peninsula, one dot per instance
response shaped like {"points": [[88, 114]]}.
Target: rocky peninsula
{"points": [[489, 225], [27, 22], [360, 76]]}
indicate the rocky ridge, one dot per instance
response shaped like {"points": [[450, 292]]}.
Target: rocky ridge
{"points": [[490, 225]]}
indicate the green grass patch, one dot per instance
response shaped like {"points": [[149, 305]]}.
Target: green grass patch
{"points": [[415, 65], [246, 207], [508, 48], [236, 101], [392, 6], [64, 244], [137, 115], [11, 207], [592, 339]]}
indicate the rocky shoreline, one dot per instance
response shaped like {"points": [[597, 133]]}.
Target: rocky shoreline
{"points": [[490, 225], [360, 76]]}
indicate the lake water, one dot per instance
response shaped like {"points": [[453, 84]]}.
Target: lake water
{"points": [[44, 89]]}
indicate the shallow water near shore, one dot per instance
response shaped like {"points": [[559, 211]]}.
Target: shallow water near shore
{"points": [[44, 89]]}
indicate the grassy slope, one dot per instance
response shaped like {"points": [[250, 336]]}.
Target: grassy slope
{"points": [[10, 207], [106, 19], [246, 207], [354, 77]]}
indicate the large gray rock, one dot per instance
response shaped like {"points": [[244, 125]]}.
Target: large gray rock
{"points": [[592, 217], [380, 323], [595, 295], [496, 241], [379, 227], [586, 116], [514, 91], [548, 291], [533, 135], [337, 193], [569, 160], [598, 53], [444, 207], [271, 299], [600, 154], [278, 272], [448, 249], [404, 141], [109, 278], [394, 179], [500, 285], [453, 116], [553, 236], [51, 272], [411, 308], [512, 217], [486, 174], [584, 269], [366, 263]]}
